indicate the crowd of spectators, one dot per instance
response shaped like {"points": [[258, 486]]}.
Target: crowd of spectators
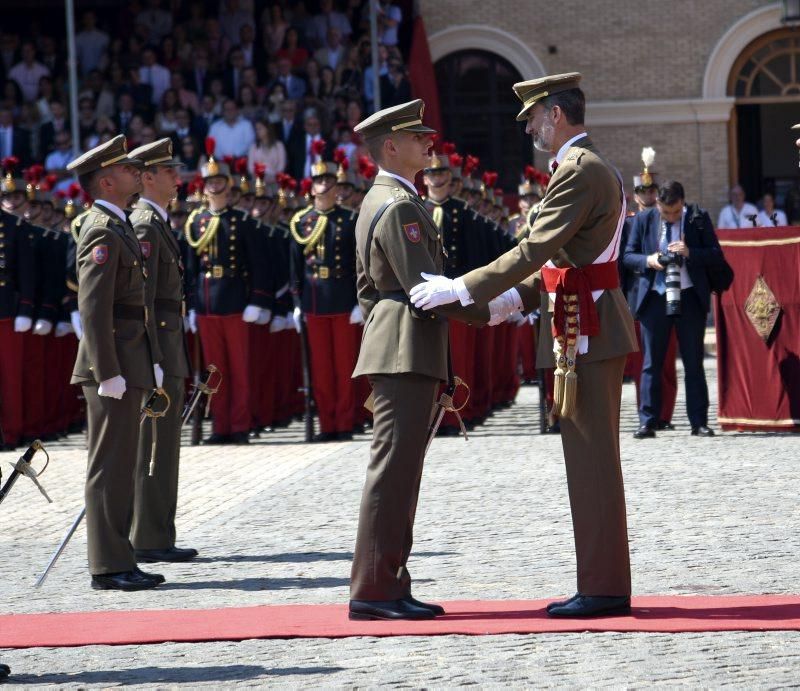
{"points": [[263, 81]]}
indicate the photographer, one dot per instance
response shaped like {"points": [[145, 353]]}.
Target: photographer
{"points": [[671, 246]]}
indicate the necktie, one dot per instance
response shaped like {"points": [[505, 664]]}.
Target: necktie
{"points": [[661, 277]]}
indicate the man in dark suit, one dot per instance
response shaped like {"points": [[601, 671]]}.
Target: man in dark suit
{"points": [[291, 133], [684, 232], [199, 77], [49, 130], [14, 141]]}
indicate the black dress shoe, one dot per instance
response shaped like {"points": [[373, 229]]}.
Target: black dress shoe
{"points": [[562, 603], [663, 425], [367, 610], [344, 436], [448, 431], [644, 432], [5, 670], [702, 431], [239, 438], [438, 610], [127, 580], [326, 436], [157, 577], [166, 554], [215, 439], [592, 606]]}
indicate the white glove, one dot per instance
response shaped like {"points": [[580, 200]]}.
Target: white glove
{"points": [[63, 328], [355, 316], [22, 324], [263, 317], [297, 315], [503, 306], [77, 327], [159, 375], [42, 327], [113, 388], [250, 314], [277, 324], [436, 291], [532, 318], [192, 321], [517, 318]]}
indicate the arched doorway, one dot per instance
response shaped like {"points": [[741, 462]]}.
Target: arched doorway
{"points": [[479, 109], [765, 82]]}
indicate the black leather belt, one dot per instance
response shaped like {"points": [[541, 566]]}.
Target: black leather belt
{"points": [[170, 306], [400, 296], [132, 312]]}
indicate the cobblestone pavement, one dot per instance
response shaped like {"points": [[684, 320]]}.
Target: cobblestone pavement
{"points": [[275, 523]]}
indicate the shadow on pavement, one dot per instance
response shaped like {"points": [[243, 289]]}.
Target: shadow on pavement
{"points": [[298, 557], [260, 584]]}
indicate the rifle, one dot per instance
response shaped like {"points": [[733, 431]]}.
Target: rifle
{"points": [[147, 411], [23, 467], [308, 392]]}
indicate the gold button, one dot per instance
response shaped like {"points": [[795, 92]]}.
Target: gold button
{"points": [[2, 284], [162, 323], [233, 236], [338, 257], [135, 263]]}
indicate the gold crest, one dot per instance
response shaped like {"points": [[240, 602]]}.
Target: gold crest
{"points": [[762, 308]]}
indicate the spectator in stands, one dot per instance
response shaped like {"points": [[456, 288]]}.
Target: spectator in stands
{"points": [[233, 133], [291, 133], [188, 154], [218, 45], [313, 129], [292, 50], [208, 114], [738, 213], [158, 22], [395, 87], [90, 43], [248, 106], [326, 19], [247, 37], [250, 78], [333, 52], [389, 18], [87, 119], [96, 88], [153, 74], [44, 99], [169, 58], [274, 102], [12, 97], [56, 161], [233, 72], [186, 98], [349, 75], [267, 149], [166, 121], [273, 26], [199, 76], [27, 72], [55, 125], [232, 19], [383, 71], [14, 141], [769, 216], [183, 128], [295, 86]]}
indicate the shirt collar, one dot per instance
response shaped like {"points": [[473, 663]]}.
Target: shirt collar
{"points": [[406, 182], [113, 208], [563, 150], [157, 207]]}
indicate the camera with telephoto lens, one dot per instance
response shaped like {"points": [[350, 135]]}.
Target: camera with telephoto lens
{"points": [[672, 262]]}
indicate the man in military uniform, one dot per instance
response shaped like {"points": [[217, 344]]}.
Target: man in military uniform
{"points": [[404, 354], [323, 285], [115, 364], [570, 256], [228, 288], [17, 303], [153, 529]]}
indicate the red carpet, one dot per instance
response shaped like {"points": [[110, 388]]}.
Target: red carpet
{"points": [[653, 614]]}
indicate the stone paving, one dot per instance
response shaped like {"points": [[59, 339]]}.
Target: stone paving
{"points": [[275, 523]]}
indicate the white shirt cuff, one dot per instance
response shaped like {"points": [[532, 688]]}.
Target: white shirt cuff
{"points": [[462, 292], [516, 300]]}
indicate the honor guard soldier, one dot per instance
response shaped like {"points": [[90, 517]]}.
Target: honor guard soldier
{"points": [[17, 303], [153, 529], [115, 363], [227, 289], [323, 285], [569, 258], [404, 353], [345, 180]]}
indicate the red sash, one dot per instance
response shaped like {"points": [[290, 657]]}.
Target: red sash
{"points": [[580, 281]]}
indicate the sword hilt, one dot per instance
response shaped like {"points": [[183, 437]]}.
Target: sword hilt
{"points": [[24, 468]]}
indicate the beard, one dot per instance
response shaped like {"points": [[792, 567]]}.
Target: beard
{"points": [[543, 138]]}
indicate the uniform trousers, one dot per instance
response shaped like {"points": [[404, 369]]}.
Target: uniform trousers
{"points": [[656, 330], [484, 366], [11, 406], [33, 389], [156, 497], [526, 350], [53, 382], [590, 440], [113, 437], [70, 403], [226, 344], [263, 369], [333, 358], [403, 407]]}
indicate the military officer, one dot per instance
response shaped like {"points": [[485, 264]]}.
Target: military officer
{"points": [[17, 302], [228, 288], [115, 363], [571, 255], [323, 286], [404, 354], [153, 529]]}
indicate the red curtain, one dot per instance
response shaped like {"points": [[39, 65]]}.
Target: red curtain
{"points": [[759, 382], [422, 76]]}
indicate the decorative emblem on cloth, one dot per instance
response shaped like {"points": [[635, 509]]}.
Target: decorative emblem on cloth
{"points": [[412, 232], [762, 308], [100, 254], [146, 247]]}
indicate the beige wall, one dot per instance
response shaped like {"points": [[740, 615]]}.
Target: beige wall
{"points": [[627, 51]]}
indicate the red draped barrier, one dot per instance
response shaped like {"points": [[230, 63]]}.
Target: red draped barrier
{"points": [[758, 379]]}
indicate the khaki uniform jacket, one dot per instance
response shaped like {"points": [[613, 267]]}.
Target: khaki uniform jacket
{"points": [[110, 277], [164, 286], [405, 243], [577, 220]]}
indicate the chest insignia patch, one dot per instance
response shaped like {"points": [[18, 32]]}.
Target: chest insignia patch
{"points": [[100, 254], [412, 232], [146, 247]]}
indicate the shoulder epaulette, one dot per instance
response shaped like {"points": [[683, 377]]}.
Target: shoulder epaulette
{"points": [[296, 218]]}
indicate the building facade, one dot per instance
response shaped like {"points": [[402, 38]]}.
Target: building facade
{"points": [[713, 87]]}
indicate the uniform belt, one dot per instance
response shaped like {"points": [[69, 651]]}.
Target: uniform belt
{"points": [[169, 306], [132, 312], [219, 271], [400, 296]]}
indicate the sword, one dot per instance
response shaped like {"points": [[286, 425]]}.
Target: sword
{"points": [[148, 410], [204, 386], [23, 467], [445, 404]]}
